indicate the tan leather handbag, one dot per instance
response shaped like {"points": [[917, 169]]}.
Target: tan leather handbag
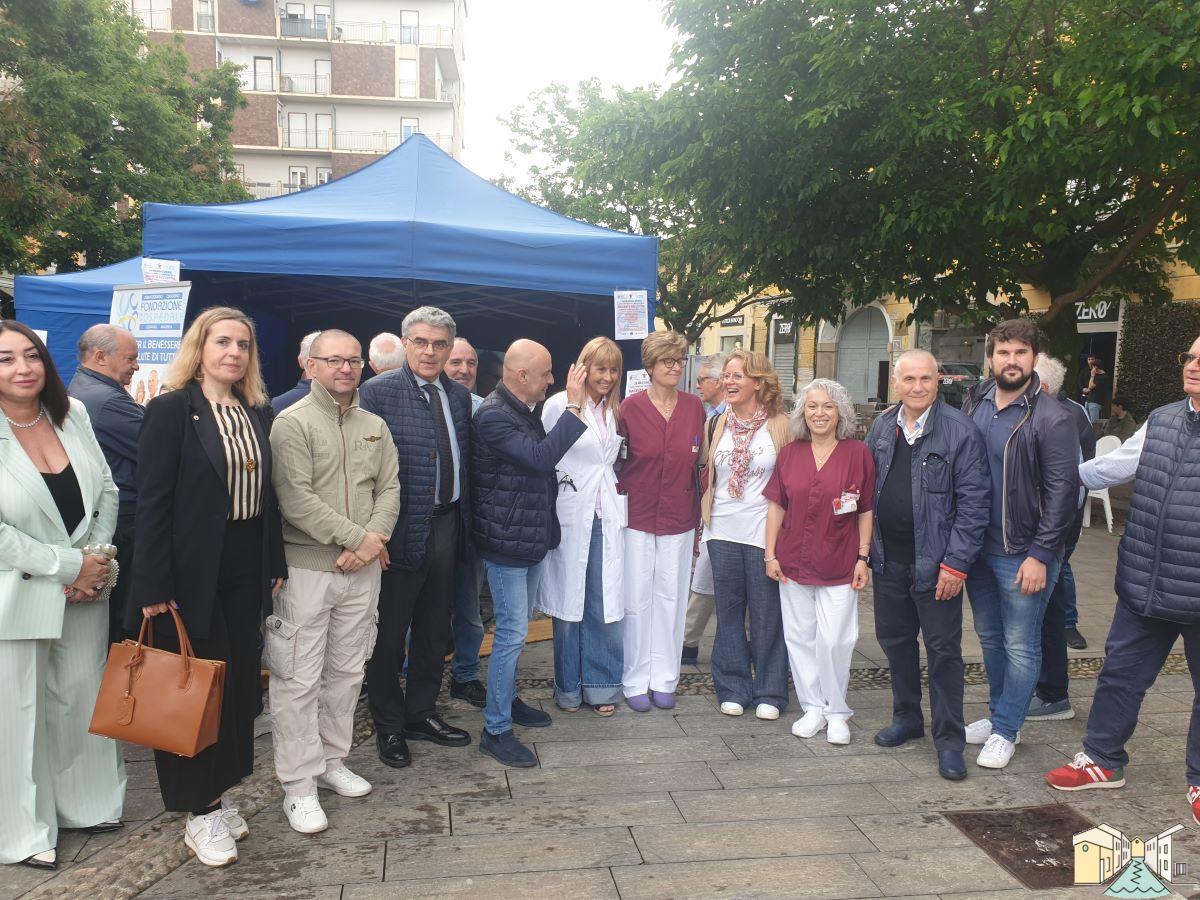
{"points": [[155, 698]]}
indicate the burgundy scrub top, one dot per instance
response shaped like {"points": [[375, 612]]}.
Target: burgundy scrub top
{"points": [[817, 546], [659, 471]]}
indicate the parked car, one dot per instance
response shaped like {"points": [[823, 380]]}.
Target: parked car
{"points": [[955, 380]]}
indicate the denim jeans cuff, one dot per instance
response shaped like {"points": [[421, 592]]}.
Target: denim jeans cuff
{"points": [[601, 694], [567, 700]]}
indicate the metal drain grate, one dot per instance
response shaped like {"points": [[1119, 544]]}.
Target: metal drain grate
{"points": [[1032, 844]]}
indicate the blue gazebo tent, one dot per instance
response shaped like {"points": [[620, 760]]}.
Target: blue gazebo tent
{"points": [[413, 228]]}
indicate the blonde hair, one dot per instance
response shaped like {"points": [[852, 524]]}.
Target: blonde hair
{"points": [[185, 368], [602, 351], [756, 365], [661, 344]]}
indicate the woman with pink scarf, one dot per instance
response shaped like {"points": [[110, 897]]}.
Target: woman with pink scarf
{"points": [[740, 454]]}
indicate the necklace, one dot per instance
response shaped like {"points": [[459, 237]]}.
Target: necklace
{"points": [[15, 424], [665, 408], [821, 460]]}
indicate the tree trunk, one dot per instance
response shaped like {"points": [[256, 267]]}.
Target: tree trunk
{"points": [[1063, 341]]}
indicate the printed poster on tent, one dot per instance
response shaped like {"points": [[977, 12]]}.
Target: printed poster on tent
{"points": [[154, 315]]}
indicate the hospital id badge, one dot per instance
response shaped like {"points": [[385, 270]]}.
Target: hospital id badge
{"points": [[847, 503]]}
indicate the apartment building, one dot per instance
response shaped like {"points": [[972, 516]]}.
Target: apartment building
{"points": [[331, 85]]}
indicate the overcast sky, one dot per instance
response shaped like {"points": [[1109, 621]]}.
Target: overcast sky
{"points": [[516, 47]]}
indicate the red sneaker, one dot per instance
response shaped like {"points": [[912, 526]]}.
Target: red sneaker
{"points": [[1194, 800], [1081, 774]]}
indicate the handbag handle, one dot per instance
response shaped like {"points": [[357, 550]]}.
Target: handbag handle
{"points": [[146, 638]]}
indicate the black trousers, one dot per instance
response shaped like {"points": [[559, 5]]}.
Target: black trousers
{"points": [[193, 785], [1054, 683], [420, 600], [901, 611], [123, 541]]}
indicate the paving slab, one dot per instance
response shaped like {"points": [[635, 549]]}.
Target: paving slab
{"points": [[835, 876], [1029, 759], [631, 751], [910, 831], [936, 794], [749, 840], [351, 821], [581, 884], [937, 871], [548, 813], [754, 804], [586, 726], [803, 771], [588, 781], [496, 854]]}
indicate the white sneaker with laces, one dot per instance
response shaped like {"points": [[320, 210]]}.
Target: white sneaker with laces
{"points": [[979, 732], [838, 732], [732, 709], [304, 814], [233, 819], [809, 724], [208, 836], [996, 753], [344, 783], [767, 711]]}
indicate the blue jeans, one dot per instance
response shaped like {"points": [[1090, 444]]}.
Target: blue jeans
{"points": [[741, 583], [589, 655], [514, 588], [467, 622], [1093, 410], [1009, 625]]}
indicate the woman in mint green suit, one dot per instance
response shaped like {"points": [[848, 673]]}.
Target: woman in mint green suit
{"points": [[56, 496]]}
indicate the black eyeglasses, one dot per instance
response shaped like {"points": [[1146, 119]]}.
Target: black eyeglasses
{"points": [[673, 362], [1186, 359], [422, 344], [336, 362]]}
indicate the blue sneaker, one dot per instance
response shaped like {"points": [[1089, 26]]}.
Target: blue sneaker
{"points": [[506, 749], [1041, 711]]}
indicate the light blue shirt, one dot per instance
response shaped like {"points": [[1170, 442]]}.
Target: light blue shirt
{"points": [[918, 428], [476, 402], [437, 484]]}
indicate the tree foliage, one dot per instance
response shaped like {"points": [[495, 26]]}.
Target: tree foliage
{"points": [[592, 154], [948, 152], [92, 124]]}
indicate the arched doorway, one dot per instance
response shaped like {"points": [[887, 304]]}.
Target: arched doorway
{"points": [[863, 355]]}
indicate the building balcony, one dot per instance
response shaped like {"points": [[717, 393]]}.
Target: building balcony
{"points": [[392, 33], [263, 190], [318, 28], [153, 19], [354, 141], [284, 83]]}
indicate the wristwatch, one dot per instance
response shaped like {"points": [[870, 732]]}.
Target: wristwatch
{"points": [[865, 559], [575, 406]]}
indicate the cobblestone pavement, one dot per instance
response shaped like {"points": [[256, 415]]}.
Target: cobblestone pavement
{"points": [[686, 803]]}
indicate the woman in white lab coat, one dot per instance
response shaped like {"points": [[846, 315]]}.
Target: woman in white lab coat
{"points": [[581, 583]]}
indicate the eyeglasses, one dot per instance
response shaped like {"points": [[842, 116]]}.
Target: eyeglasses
{"points": [[732, 376], [336, 362], [672, 363], [700, 378], [422, 344], [1186, 359]]}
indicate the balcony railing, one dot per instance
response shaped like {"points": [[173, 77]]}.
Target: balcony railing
{"points": [[355, 141], [447, 94], [306, 83], [262, 81], [406, 89], [392, 33], [304, 28], [154, 19], [306, 139], [205, 22]]}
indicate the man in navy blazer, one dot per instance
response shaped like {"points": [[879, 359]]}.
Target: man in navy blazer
{"points": [[429, 417]]}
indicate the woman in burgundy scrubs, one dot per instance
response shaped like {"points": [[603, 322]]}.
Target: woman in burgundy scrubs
{"points": [[818, 537], [663, 428]]}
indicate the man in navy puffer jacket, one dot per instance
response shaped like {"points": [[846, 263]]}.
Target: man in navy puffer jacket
{"points": [[514, 493], [1158, 586]]}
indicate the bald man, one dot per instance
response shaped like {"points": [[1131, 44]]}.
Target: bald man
{"points": [[932, 504], [515, 524]]}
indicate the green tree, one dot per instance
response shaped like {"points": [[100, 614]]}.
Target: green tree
{"points": [[92, 124], [948, 152], [591, 154]]}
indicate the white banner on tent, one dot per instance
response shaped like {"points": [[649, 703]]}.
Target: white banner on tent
{"points": [[44, 335], [632, 317], [160, 271], [154, 315]]}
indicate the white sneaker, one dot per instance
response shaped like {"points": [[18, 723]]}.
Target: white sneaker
{"points": [[996, 752], [732, 709], [233, 819], [979, 732], [838, 732], [809, 724], [208, 836], [766, 711], [304, 814], [344, 783]]}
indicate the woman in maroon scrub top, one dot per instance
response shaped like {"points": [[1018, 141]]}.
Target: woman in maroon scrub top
{"points": [[663, 429], [818, 537]]}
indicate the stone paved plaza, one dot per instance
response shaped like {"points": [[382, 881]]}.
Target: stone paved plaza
{"points": [[682, 804]]}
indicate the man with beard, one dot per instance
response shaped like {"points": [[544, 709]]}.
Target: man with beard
{"points": [[1032, 447]]}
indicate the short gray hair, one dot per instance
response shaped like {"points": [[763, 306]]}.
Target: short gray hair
{"points": [[429, 315], [847, 417], [915, 353], [306, 343], [385, 352], [710, 364], [1051, 371], [99, 337]]}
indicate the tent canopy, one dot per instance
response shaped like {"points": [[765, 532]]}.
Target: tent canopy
{"points": [[65, 306]]}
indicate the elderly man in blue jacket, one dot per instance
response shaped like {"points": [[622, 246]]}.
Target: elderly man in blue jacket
{"points": [[515, 492], [932, 501]]}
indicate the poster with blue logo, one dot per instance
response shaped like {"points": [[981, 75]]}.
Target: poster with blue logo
{"points": [[154, 315]]}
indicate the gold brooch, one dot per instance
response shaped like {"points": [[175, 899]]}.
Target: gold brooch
{"points": [[251, 465]]}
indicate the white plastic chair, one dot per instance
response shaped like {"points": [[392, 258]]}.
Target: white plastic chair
{"points": [[1106, 444]]}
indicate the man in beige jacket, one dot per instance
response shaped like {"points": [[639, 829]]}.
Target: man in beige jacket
{"points": [[336, 479]]}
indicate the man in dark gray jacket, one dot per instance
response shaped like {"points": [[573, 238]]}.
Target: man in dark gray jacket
{"points": [[1158, 586], [1032, 449], [932, 504]]}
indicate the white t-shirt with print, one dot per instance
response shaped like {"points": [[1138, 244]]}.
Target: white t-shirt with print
{"points": [[742, 520]]}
